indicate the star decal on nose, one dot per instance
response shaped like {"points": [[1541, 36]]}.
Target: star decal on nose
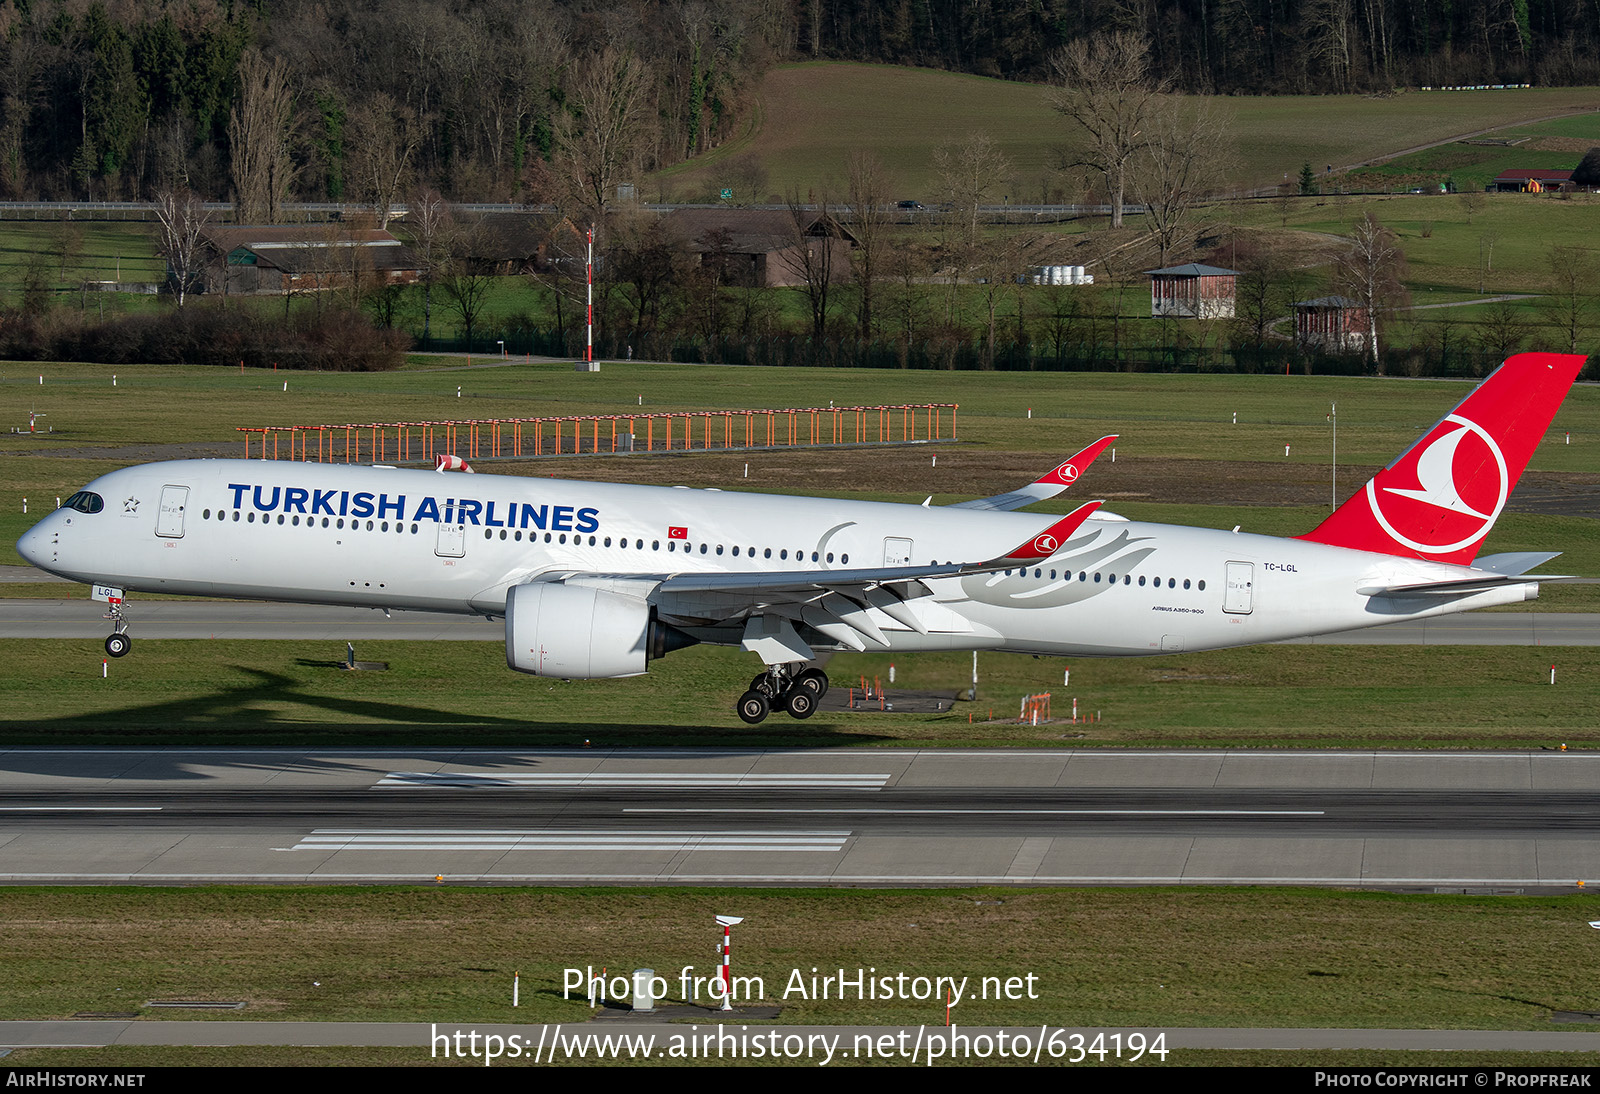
{"points": [[131, 505]]}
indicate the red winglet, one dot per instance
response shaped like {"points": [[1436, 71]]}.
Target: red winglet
{"points": [[1075, 464], [1049, 541]]}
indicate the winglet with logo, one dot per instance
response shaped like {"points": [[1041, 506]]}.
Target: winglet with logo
{"points": [[1048, 485], [1440, 499], [1047, 542], [1076, 464]]}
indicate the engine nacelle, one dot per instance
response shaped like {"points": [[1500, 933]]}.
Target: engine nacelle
{"points": [[580, 633]]}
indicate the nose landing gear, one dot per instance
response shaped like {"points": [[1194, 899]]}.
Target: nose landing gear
{"points": [[793, 688], [118, 643]]}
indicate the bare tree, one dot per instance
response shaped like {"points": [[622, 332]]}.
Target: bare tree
{"points": [[969, 171], [181, 218], [600, 138], [430, 223], [869, 220], [1183, 160], [258, 133], [1503, 329], [1107, 91], [646, 260], [1569, 306], [808, 255], [1370, 273], [383, 135]]}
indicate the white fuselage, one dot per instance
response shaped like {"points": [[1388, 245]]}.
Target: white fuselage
{"points": [[404, 539]]}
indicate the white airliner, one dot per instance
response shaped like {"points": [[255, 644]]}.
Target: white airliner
{"points": [[599, 579]]}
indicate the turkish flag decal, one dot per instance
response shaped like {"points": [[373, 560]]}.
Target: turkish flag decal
{"points": [[677, 533]]}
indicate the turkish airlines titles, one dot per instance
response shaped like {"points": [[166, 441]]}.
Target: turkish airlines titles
{"points": [[365, 503]]}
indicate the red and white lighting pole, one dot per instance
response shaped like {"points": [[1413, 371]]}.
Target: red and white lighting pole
{"points": [[588, 349]]}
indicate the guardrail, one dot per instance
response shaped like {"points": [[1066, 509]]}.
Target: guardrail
{"points": [[603, 434]]}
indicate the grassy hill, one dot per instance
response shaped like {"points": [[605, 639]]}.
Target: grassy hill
{"points": [[812, 116]]}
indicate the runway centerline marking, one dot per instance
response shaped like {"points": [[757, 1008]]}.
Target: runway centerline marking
{"points": [[80, 808], [1000, 812], [641, 780], [445, 839]]}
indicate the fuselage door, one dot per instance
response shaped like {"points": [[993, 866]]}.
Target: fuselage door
{"points": [[452, 540], [1238, 597], [169, 518], [896, 551]]}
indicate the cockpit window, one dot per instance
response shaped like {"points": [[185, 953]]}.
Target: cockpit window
{"points": [[85, 502]]}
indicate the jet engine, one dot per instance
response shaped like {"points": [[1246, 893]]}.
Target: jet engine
{"points": [[580, 633]]}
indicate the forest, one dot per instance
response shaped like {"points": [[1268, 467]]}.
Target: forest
{"points": [[516, 100]]}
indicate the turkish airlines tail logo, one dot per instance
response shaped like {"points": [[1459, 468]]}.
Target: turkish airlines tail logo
{"points": [[1440, 499]]}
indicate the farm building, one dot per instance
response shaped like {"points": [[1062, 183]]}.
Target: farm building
{"points": [[300, 257], [1334, 323], [767, 248], [1192, 291], [1531, 181]]}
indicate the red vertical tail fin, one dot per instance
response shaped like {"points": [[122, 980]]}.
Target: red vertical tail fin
{"points": [[1441, 497]]}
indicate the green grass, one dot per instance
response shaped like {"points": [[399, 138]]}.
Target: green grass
{"points": [[270, 693], [1544, 144], [814, 115], [1526, 227], [1158, 415], [1100, 957]]}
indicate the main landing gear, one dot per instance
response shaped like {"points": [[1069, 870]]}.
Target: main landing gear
{"points": [[793, 688], [118, 644]]}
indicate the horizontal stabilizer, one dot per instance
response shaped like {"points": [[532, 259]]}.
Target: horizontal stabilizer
{"points": [[1515, 563], [1463, 587]]}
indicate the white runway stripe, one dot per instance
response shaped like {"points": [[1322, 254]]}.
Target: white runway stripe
{"points": [[638, 780], [445, 839]]}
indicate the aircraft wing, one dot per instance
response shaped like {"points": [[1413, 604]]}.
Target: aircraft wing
{"points": [[835, 603], [1045, 486]]}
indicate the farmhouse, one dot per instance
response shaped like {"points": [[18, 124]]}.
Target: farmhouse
{"points": [[766, 248], [1333, 323], [1531, 181], [282, 258], [1192, 291]]}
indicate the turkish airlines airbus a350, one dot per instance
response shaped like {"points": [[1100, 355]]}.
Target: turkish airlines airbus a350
{"points": [[599, 579]]}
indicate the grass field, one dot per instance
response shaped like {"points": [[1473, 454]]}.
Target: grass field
{"points": [[1557, 143], [814, 115], [1504, 247], [1100, 957], [260, 693]]}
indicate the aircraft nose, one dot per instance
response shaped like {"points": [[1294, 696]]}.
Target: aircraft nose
{"points": [[33, 546]]}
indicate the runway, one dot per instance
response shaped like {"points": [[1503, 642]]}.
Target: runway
{"points": [[815, 817], [45, 618]]}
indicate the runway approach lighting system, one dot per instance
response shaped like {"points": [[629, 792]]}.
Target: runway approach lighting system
{"points": [[725, 948]]}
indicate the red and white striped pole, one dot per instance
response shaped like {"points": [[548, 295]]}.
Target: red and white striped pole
{"points": [[727, 922], [588, 349]]}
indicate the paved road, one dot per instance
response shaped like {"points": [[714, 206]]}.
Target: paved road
{"points": [[814, 817], [45, 618]]}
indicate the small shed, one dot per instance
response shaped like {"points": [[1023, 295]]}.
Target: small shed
{"points": [[1536, 180], [1333, 323], [1192, 291]]}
